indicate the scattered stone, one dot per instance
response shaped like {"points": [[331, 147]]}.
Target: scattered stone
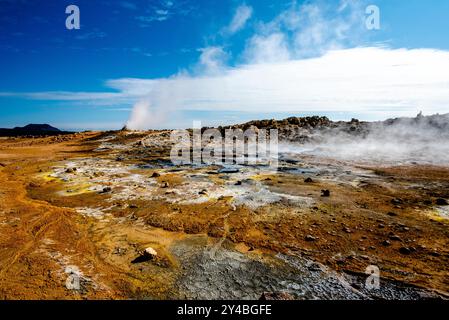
{"points": [[386, 243], [308, 180], [392, 214], [395, 237], [106, 190], [119, 251], [405, 250], [435, 253], [325, 193], [165, 184], [276, 296], [442, 202], [310, 238], [147, 255], [347, 230], [155, 175]]}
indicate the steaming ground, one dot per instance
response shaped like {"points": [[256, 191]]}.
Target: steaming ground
{"points": [[423, 140], [88, 205], [420, 140]]}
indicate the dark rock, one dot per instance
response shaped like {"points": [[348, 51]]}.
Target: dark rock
{"points": [[165, 184], [308, 180], [325, 193], [395, 237], [386, 243], [203, 192], [442, 202], [396, 201], [347, 230], [310, 238], [435, 254], [405, 250], [392, 214], [147, 255], [155, 174], [238, 183], [106, 190]]}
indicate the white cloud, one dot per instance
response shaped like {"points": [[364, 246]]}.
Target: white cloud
{"points": [[381, 82], [242, 14], [212, 60], [372, 80], [268, 49]]}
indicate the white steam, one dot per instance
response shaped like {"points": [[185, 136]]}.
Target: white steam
{"points": [[423, 140]]}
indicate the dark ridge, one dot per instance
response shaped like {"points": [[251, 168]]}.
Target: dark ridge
{"points": [[32, 130]]}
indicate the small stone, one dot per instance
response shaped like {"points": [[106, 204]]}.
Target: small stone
{"points": [[442, 202], [155, 174], [165, 185], [386, 243], [435, 254], [203, 192], [107, 189], [308, 180], [147, 255], [395, 237], [405, 250], [392, 214], [310, 238], [150, 253], [133, 206], [347, 230], [238, 183], [325, 193]]}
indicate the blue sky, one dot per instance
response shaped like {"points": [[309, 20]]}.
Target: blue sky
{"points": [[79, 79]]}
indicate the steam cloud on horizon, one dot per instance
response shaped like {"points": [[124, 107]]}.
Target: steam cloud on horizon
{"points": [[423, 140], [306, 59]]}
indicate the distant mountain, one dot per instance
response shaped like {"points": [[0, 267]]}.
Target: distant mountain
{"points": [[37, 127], [32, 130]]}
